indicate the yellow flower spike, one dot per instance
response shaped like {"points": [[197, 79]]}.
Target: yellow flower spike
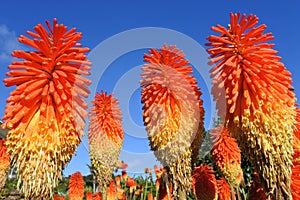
{"points": [[46, 111], [256, 100], [106, 136], [173, 112]]}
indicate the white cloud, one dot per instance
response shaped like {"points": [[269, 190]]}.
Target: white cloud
{"points": [[8, 43]]}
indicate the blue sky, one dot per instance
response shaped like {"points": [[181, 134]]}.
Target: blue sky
{"points": [[104, 23]]}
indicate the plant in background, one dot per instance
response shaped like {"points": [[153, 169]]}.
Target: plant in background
{"points": [[224, 192], [162, 185], [97, 196], [57, 197], [76, 187], [227, 156], [4, 163], [111, 191], [257, 190], [89, 195], [204, 184], [106, 136], [253, 89], [173, 113], [45, 112]]}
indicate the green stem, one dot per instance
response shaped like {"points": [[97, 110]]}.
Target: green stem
{"points": [[145, 188], [104, 189]]}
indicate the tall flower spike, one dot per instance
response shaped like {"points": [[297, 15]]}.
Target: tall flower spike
{"points": [[46, 111], [253, 88], [204, 184], [106, 136], [76, 187], [227, 156], [173, 112], [4, 163]]}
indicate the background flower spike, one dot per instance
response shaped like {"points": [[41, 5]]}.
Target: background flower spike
{"points": [[227, 156], [106, 136], [173, 112], [76, 187]]}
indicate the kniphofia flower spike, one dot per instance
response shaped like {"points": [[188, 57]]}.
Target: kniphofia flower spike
{"points": [[106, 136], [76, 187], [46, 110], [252, 89], [173, 112]]}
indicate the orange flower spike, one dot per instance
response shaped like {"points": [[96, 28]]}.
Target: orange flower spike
{"points": [[227, 156], [124, 176], [55, 197], [120, 193], [46, 110], [173, 112], [118, 180], [252, 89], [131, 184], [149, 196], [106, 136], [89, 195], [224, 192], [111, 191], [97, 196], [204, 184], [76, 187], [4, 163]]}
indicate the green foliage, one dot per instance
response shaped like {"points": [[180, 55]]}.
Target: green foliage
{"points": [[11, 184]]}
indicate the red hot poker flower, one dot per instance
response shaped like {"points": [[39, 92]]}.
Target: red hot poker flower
{"points": [[106, 135], [224, 192], [204, 183], [227, 156], [76, 187], [173, 112], [46, 110], [252, 89]]}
